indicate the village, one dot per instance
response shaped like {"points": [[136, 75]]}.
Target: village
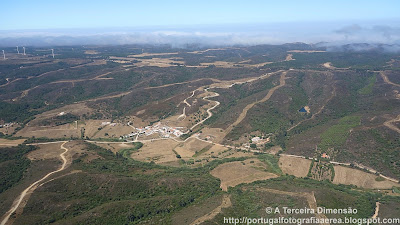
{"points": [[163, 130]]}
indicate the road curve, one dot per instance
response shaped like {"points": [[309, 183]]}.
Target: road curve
{"points": [[208, 110], [33, 186], [386, 79]]}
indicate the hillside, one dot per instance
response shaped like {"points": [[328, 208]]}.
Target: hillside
{"points": [[143, 134]]}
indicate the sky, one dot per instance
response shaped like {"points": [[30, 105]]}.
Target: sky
{"points": [[50, 14], [208, 21]]}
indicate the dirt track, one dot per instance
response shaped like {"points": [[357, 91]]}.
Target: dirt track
{"points": [[389, 122], [99, 77], [376, 210], [386, 79], [191, 81], [312, 202], [249, 106], [391, 126], [225, 203], [208, 110], [33, 186], [184, 108]]}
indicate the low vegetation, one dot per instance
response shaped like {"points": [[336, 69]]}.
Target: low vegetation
{"points": [[127, 152], [337, 134]]}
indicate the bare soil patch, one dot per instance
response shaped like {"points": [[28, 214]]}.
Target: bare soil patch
{"points": [[289, 57], [91, 52], [328, 65]]}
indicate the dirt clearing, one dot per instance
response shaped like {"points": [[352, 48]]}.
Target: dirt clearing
{"points": [[91, 52]]}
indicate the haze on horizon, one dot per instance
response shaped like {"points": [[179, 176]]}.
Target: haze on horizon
{"points": [[46, 22]]}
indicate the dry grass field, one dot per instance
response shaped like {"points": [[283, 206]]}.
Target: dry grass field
{"points": [[46, 151], [8, 143], [344, 175], [62, 131], [159, 152], [234, 173], [294, 166]]}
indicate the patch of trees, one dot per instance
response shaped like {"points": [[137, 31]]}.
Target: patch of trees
{"points": [[13, 164]]}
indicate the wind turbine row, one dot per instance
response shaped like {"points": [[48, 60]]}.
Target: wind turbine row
{"points": [[18, 50], [4, 54]]}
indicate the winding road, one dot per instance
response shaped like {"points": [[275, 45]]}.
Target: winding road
{"points": [[184, 108], [33, 186], [208, 110]]}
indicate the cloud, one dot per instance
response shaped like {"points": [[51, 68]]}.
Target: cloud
{"points": [[203, 35], [375, 34]]}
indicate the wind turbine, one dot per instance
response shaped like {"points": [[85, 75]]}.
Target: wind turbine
{"points": [[52, 52], [4, 55], [24, 50], [17, 50]]}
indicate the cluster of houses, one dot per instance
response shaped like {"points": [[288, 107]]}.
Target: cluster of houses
{"points": [[257, 141], [108, 123], [163, 130], [6, 124]]}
